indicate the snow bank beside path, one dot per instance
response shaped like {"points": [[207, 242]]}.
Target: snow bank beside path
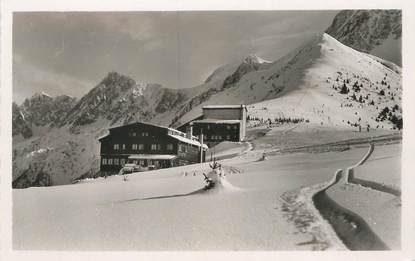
{"points": [[382, 171], [380, 212], [362, 218], [300, 206]]}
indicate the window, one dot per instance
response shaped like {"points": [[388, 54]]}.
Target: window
{"points": [[228, 127], [228, 137], [134, 146], [123, 146], [116, 161], [153, 146], [116, 146], [144, 134], [134, 134], [169, 146], [109, 161], [235, 127], [141, 146], [208, 127], [142, 162], [122, 162], [104, 161]]}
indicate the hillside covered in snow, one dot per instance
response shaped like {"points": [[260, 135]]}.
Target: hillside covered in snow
{"points": [[323, 82]]}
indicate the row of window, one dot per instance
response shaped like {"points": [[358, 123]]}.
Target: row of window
{"points": [[228, 127], [112, 161], [219, 137], [141, 146], [117, 161], [156, 163], [135, 134]]}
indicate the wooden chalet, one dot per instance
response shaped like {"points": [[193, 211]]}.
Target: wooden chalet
{"points": [[219, 123], [150, 146]]}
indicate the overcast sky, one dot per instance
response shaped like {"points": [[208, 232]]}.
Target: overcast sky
{"points": [[70, 52]]}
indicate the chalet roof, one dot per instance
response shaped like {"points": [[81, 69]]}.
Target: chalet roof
{"points": [[152, 156], [140, 122], [103, 136], [200, 116], [218, 121], [237, 106], [189, 141], [145, 123]]}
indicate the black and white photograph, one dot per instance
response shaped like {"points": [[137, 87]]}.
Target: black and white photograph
{"points": [[207, 130]]}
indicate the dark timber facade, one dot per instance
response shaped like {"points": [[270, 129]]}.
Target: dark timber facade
{"points": [[148, 145], [219, 123]]}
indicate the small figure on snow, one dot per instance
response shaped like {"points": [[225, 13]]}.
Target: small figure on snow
{"points": [[264, 157]]}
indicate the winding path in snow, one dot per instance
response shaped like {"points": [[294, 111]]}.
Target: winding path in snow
{"points": [[350, 226]]}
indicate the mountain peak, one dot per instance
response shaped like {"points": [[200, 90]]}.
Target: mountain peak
{"points": [[254, 59], [41, 95], [115, 78]]}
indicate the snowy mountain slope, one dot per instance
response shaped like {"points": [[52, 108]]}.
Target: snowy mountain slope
{"points": [[57, 157], [377, 32], [41, 110], [307, 83]]}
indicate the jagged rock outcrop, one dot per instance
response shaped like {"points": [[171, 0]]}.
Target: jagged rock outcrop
{"points": [[377, 32]]}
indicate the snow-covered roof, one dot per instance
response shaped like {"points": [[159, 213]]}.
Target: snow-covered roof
{"points": [[152, 156], [152, 124], [218, 121], [103, 136], [224, 106], [200, 116], [189, 141]]}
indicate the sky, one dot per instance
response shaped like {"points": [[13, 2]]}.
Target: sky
{"points": [[71, 52]]}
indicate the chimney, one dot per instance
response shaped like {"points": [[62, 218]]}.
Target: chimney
{"points": [[189, 132]]}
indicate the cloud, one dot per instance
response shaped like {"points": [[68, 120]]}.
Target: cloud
{"points": [[138, 29], [29, 79]]}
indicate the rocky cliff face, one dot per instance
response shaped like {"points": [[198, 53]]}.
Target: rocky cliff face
{"points": [[41, 110], [119, 99], [377, 32]]}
